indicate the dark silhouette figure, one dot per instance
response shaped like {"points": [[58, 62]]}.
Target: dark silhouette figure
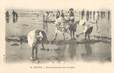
{"points": [[90, 13], [71, 14], [98, 15], [93, 15], [104, 14], [82, 13], [7, 16], [15, 16], [72, 28], [87, 15], [109, 15], [72, 23], [101, 14]]}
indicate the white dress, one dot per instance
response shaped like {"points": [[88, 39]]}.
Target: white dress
{"points": [[31, 37], [59, 24]]}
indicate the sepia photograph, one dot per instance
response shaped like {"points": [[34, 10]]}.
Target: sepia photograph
{"points": [[57, 35]]}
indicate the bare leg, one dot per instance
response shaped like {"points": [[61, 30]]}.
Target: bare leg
{"points": [[46, 27], [73, 34], [32, 52], [64, 35], [55, 36], [36, 52], [42, 46], [85, 36], [89, 36]]}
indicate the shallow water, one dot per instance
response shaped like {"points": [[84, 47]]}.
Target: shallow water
{"points": [[97, 51], [60, 51]]}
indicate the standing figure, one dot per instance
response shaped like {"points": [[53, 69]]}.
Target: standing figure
{"points": [[45, 21], [98, 15], [15, 16], [87, 15], [71, 14], [93, 15], [72, 24], [101, 14], [90, 13], [109, 14], [60, 26], [7, 16], [82, 13], [72, 28], [104, 14]]}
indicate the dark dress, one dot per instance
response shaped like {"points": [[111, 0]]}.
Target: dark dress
{"points": [[72, 26]]}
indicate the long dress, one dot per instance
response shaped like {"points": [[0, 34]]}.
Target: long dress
{"points": [[60, 22]]}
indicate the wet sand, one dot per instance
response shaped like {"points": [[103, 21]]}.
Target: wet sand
{"points": [[96, 51], [70, 50]]}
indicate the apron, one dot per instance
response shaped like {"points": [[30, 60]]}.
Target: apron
{"points": [[60, 22]]}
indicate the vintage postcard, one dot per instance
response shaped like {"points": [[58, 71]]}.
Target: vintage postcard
{"points": [[57, 35], [66, 36]]}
